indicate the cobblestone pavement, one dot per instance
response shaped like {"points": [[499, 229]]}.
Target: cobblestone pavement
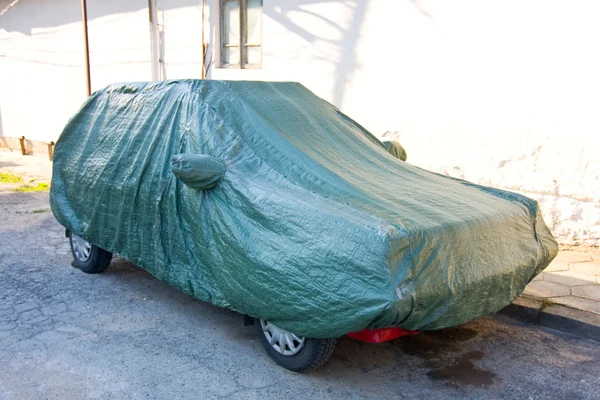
{"points": [[124, 334], [572, 280]]}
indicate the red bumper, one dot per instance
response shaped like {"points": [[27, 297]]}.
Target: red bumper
{"points": [[380, 335]]}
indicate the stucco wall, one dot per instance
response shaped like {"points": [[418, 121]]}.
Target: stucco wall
{"points": [[42, 81], [503, 92], [40, 58]]}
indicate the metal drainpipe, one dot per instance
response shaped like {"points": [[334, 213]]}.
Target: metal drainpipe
{"points": [[154, 42], [203, 47], [87, 47]]}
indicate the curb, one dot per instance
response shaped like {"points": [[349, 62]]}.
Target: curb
{"points": [[570, 320]]}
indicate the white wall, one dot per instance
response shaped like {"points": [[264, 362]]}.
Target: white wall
{"points": [[42, 81], [119, 41], [42, 74], [502, 93], [180, 26]]}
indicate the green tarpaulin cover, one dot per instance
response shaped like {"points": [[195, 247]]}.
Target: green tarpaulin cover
{"points": [[265, 199]]}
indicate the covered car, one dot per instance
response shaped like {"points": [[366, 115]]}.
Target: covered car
{"points": [[265, 199]]}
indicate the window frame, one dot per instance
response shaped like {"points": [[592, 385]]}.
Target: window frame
{"points": [[243, 33]]}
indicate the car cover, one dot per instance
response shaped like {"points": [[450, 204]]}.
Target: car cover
{"points": [[265, 199]]}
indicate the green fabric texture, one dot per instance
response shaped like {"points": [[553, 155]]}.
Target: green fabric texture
{"points": [[395, 149], [197, 171], [309, 223]]}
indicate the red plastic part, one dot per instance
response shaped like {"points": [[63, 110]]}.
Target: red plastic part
{"points": [[380, 335]]}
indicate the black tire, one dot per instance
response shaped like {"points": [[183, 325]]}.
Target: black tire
{"points": [[97, 261], [313, 354]]}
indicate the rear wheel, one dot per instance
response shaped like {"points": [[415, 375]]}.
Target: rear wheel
{"points": [[87, 257], [293, 352]]}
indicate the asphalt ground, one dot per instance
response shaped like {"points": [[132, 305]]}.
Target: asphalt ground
{"points": [[125, 335]]}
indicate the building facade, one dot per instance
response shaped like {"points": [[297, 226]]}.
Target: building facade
{"points": [[501, 93]]}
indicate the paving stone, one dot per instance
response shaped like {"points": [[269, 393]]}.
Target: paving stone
{"points": [[591, 292], [557, 266], [590, 268], [544, 289], [539, 277], [573, 257], [578, 303], [569, 278]]}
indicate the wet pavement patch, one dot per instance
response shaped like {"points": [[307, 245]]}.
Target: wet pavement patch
{"points": [[434, 344], [462, 370], [442, 350]]}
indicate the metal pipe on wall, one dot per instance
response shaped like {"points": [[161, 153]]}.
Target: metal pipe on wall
{"points": [[87, 47], [203, 74], [154, 41]]}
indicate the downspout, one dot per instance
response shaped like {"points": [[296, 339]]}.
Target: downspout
{"points": [[154, 42], [203, 45], [87, 47]]}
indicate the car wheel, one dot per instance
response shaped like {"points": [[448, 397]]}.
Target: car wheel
{"points": [[87, 257], [296, 353]]}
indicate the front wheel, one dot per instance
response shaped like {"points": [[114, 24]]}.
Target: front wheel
{"points": [[87, 257], [293, 352]]}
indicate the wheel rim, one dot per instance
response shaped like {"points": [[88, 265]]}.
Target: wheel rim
{"points": [[81, 247], [284, 342]]}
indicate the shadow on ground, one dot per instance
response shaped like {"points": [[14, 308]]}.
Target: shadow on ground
{"points": [[125, 334], [445, 354]]}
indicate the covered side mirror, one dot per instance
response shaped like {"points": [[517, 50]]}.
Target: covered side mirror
{"points": [[395, 149], [198, 171]]}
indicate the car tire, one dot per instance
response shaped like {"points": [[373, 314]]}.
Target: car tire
{"points": [[87, 257], [312, 353]]}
